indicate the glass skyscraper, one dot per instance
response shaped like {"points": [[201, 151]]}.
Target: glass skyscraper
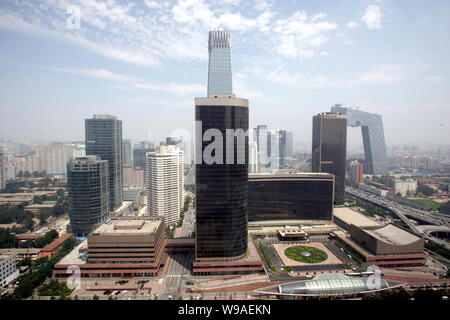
{"points": [[221, 186], [219, 69], [373, 137], [88, 189], [329, 149], [104, 139]]}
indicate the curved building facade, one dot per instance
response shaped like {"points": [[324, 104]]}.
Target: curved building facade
{"points": [[221, 186], [290, 196]]}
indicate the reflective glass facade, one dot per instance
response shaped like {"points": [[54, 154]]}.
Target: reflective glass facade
{"points": [[290, 197], [329, 149], [221, 189], [219, 69], [104, 139], [373, 137], [87, 185]]}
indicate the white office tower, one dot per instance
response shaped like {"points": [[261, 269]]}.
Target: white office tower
{"points": [[164, 183], [261, 135], [54, 157], [253, 157]]}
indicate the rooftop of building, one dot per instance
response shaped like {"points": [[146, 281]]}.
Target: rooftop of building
{"points": [[283, 174], [20, 251], [221, 100], [46, 204], [57, 242], [104, 117], [328, 285], [73, 257], [128, 226], [394, 235], [350, 216], [303, 225], [332, 115]]}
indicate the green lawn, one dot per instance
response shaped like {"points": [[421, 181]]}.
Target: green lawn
{"points": [[434, 205], [299, 253]]}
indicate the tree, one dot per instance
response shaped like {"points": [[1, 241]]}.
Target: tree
{"points": [[7, 240], [426, 190], [95, 297]]}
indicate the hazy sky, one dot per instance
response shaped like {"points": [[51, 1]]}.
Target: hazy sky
{"points": [[145, 62]]}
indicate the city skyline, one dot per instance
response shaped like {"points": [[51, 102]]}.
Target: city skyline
{"points": [[312, 49]]}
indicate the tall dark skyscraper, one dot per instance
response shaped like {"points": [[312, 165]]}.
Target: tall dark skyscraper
{"points": [[88, 189], [221, 186], [329, 149], [104, 139]]}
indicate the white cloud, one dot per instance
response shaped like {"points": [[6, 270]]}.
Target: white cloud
{"points": [[131, 81], [300, 35], [99, 74], [372, 17], [380, 75], [352, 24], [147, 32]]}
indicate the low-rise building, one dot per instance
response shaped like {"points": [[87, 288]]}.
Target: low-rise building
{"points": [[55, 246], [345, 217], [388, 246], [22, 253], [40, 207], [8, 269], [405, 187], [135, 195], [120, 247]]}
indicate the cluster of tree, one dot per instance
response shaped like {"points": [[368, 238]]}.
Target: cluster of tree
{"points": [[437, 248], [55, 289], [187, 201], [41, 269], [403, 295], [386, 180], [425, 190], [7, 239], [61, 207], [169, 231], [370, 208], [46, 239], [34, 174], [16, 214], [15, 186]]}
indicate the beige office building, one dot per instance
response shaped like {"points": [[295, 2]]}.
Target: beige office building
{"points": [[164, 183]]}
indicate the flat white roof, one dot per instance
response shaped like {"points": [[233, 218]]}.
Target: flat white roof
{"points": [[350, 216], [393, 235], [128, 226]]}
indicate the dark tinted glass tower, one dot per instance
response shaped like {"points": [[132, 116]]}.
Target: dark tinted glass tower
{"points": [[87, 184], [221, 189], [104, 139], [329, 149], [290, 196]]}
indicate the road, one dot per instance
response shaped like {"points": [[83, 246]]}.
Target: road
{"points": [[179, 270], [402, 211], [188, 224]]}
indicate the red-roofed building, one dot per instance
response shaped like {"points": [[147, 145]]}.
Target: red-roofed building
{"points": [[55, 246]]}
